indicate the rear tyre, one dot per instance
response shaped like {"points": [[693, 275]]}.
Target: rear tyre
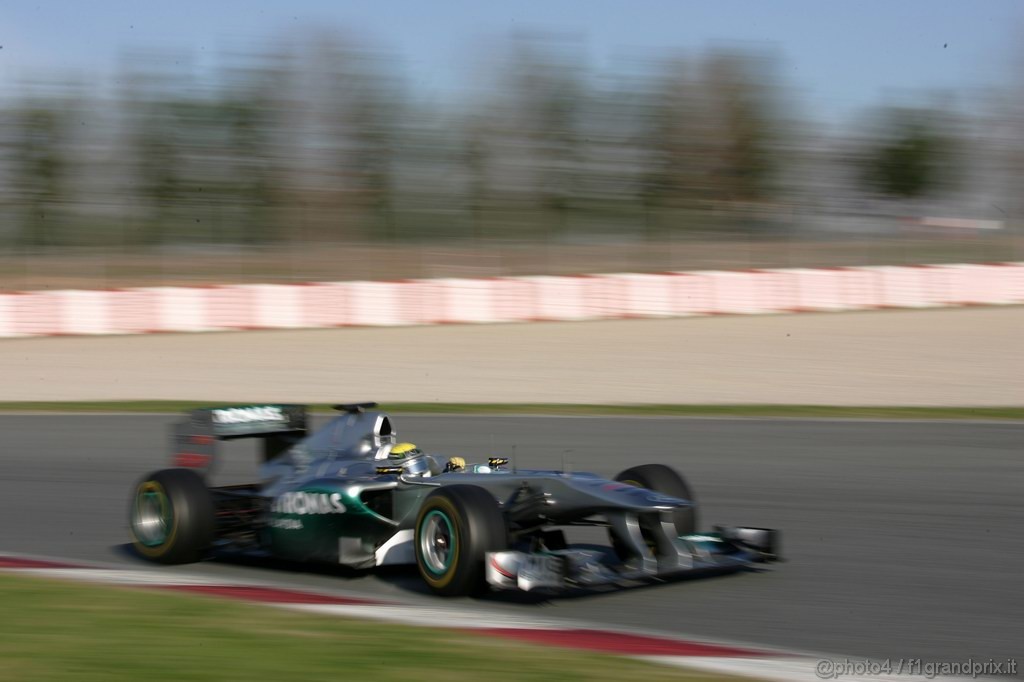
{"points": [[455, 528], [171, 517], [667, 481]]}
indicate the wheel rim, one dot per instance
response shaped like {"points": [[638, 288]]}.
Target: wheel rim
{"points": [[438, 544], [151, 515]]}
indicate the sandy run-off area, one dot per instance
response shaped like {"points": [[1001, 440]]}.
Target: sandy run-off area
{"points": [[930, 357]]}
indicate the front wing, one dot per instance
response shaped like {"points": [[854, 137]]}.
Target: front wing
{"points": [[725, 550]]}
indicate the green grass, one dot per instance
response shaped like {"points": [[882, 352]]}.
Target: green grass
{"points": [[64, 631], [792, 411]]}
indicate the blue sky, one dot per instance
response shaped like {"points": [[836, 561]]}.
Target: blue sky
{"points": [[839, 56]]}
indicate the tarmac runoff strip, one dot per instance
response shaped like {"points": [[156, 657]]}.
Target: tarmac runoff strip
{"points": [[765, 664]]}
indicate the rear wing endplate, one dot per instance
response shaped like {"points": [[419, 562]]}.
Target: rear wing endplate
{"points": [[194, 438]]}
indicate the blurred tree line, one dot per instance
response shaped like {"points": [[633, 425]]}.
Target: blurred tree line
{"points": [[319, 139]]}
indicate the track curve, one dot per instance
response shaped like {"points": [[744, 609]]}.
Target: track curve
{"points": [[903, 537]]}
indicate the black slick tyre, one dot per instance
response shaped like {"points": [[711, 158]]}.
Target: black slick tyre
{"points": [[171, 517], [664, 480], [455, 528], [667, 481]]}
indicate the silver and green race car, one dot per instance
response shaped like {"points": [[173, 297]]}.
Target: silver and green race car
{"points": [[350, 493]]}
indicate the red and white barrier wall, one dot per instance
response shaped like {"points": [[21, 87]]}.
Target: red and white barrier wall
{"points": [[505, 299]]}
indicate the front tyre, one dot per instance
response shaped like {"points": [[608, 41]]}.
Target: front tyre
{"points": [[171, 516], [455, 529], [664, 480], [667, 481]]}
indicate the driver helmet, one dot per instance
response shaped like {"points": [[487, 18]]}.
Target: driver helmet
{"points": [[403, 450], [414, 461]]}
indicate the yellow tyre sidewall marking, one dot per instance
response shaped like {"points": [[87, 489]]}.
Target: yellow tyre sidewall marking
{"points": [[158, 550], [443, 505]]}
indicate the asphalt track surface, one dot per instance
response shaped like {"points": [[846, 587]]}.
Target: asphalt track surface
{"points": [[904, 538]]}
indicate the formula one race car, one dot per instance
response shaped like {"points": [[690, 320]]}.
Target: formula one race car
{"points": [[351, 494]]}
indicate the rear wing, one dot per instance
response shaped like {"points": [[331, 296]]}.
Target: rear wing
{"points": [[194, 438]]}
